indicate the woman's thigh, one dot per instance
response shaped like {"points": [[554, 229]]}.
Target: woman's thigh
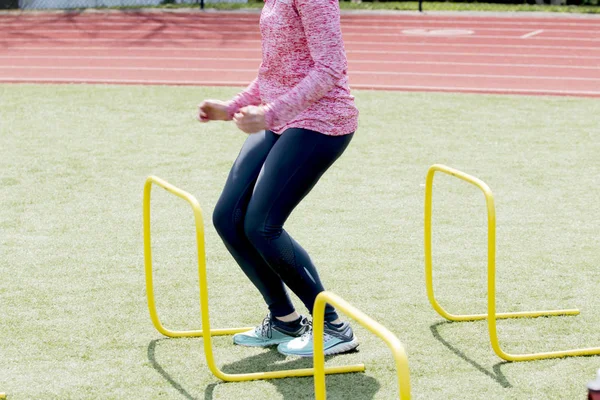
{"points": [[293, 166], [242, 177]]}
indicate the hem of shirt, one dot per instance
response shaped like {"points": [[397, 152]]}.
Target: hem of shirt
{"points": [[340, 130]]}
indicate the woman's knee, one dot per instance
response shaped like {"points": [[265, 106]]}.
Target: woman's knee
{"points": [[224, 219]]}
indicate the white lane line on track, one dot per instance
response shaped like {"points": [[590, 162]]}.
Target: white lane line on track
{"points": [[475, 64], [257, 60], [218, 29], [436, 32], [359, 86], [91, 68], [531, 34], [495, 76], [129, 81], [198, 25], [226, 50], [479, 90], [79, 57], [354, 72], [473, 54], [346, 42], [234, 35], [102, 19], [354, 29]]}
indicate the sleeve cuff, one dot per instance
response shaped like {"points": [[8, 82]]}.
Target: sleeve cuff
{"points": [[232, 108], [270, 117]]}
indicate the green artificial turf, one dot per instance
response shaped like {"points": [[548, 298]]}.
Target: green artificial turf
{"points": [[74, 322]]}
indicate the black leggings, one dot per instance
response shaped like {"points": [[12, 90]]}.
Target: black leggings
{"points": [[271, 175]]}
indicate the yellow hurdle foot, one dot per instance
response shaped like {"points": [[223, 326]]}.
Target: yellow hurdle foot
{"points": [[491, 315]]}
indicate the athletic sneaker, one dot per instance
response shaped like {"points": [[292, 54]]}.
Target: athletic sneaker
{"points": [[272, 332], [336, 340]]}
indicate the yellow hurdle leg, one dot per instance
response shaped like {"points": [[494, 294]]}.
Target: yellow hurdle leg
{"points": [[148, 264], [207, 332], [491, 316], [388, 337]]}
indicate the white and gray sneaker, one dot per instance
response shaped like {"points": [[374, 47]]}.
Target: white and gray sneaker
{"points": [[336, 340], [272, 332]]}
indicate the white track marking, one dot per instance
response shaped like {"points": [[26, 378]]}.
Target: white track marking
{"points": [[354, 72], [437, 32], [346, 42], [408, 52], [479, 90], [90, 68], [257, 60], [530, 34], [103, 19], [352, 29], [473, 54], [121, 81], [131, 58], [475, 64], [495, 76], [244, 83], [234, 34], [487, 46]]}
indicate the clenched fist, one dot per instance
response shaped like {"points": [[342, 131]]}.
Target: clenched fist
{"points": [[250, 119], [213, 110]]}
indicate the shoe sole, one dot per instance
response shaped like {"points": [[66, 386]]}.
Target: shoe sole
{"points": [[270, 344], [342, 347], [339, 348]]}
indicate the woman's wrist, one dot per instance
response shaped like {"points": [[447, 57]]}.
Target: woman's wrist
{"points": [[269, 115], [231, 108]]}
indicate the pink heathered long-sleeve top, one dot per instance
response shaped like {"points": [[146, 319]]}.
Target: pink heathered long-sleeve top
{"points": [[302, 81]]}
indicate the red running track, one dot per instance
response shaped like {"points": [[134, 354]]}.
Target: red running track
{"points": [[540, 55]]}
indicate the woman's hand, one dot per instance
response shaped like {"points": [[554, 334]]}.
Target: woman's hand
{"points": [[213, 110], [250, 119]]}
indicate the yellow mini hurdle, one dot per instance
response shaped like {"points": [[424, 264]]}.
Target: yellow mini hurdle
{"points": [[206, 332], [388, 337], [491, 315]]}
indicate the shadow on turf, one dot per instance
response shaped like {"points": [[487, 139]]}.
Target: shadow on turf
{"points": [[339, 386], [497, 375], [163, 373]]}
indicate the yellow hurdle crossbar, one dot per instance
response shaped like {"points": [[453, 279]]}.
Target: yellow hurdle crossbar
{"points": [[388, 337], [206, 332], [491, 315]]}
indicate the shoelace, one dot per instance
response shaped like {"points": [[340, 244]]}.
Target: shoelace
{"points": [[309, 333], [265, 327]]}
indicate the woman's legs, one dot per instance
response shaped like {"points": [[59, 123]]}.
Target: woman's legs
{"points": [[291, 169], [228, 219], [269, 178]]}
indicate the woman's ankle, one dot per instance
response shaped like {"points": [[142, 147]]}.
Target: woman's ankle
{"points": [[289, 318]]}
